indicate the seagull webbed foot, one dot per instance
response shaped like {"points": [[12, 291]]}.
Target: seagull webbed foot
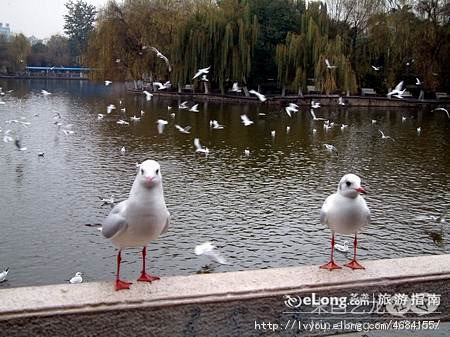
{"points": [[330, 266], [121, 285], [353, 264], [147, 278]]}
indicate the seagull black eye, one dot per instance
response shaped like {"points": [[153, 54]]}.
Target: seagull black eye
{"points": [[157, 171], [142, 171], [348, 183]]}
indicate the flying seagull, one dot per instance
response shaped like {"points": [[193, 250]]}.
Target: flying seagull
{"points": [[209, 250], [246, 121], [161, 56], [383, 136], [329, 66], [261, 97], [185, 130], [202, 71], [199, 148]]}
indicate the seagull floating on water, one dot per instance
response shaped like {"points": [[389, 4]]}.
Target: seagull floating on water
{"points": [[341, 101], [135, 118], [107, 83], [419, 130], [141, 218], [209, 250], [3, 275], [331, 148], [45, 92], [122, 122], [77, 278], [345, 212], [383, 136], [107, 201], [342, 248]]}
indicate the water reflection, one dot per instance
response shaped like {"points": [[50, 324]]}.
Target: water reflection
{"points": [[261, 209]]}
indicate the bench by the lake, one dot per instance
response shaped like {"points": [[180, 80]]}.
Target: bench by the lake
{"points": [[218, 304], [441, 95], [368, 92]]}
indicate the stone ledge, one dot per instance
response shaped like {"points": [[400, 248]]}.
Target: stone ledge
{"points": [[214, 295]]}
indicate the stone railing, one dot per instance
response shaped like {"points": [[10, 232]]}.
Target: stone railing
{"points": [[226, 304]]}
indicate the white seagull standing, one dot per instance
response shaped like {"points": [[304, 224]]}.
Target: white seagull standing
{"points": [[209, 250], [345, 212], [292, 107], [77, 278], [142, 218], [246, 121], [202, 71], [161, 56], [261, 97]]}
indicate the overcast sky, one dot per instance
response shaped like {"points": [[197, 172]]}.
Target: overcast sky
{"points": [[41, 18]]}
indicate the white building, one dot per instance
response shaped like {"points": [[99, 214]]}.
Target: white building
{"points": [[4, 30]]}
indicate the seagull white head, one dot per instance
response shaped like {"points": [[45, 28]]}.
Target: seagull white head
{"points": [[350, 186], [149, 174]]}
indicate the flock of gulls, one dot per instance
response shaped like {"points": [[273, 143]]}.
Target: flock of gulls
{"points": [[143, 217]]}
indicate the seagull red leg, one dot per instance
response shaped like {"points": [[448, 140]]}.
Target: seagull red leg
{"points": [[353, 263], [120, 285], [144, 276], [331, 265]]}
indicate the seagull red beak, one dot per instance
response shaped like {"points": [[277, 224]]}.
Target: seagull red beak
{"points": [[361, 190]]}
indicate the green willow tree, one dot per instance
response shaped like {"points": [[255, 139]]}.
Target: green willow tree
{"points": [[303, 55], [222, 37]]}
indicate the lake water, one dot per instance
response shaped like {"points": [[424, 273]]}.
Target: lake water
{"points": [[262, 211]]}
